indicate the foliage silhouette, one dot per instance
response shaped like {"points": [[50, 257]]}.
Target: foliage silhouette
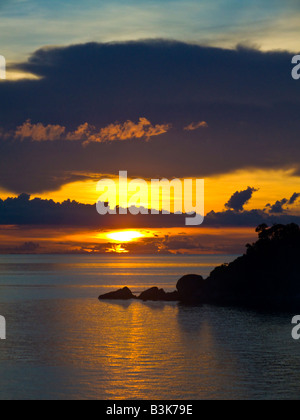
{"points": [[267, 274]]}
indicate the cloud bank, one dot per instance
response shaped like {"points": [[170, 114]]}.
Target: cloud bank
{"points": [[247, 99], [24, 211]]}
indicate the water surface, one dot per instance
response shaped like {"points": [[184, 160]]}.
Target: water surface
{"points": [[64, 344]]}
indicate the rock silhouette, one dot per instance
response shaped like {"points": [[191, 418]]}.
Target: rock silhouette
{"points": [[266, 276], [156, 294], [190, 288], [121, 294], [152, 294]]}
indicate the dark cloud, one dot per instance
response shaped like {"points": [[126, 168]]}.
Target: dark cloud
{"points": [[23, 211], [186, 243], [279, 206], [155, 72], [250, 218], [247, 98], [28, 247], [25, 248], [171, 245], [294, 198], [168, 245], [239, 199]]}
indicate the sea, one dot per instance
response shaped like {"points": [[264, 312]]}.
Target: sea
{"points": [[62, 343]]}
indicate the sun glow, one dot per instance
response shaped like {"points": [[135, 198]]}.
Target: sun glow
{"points": [[125, 236], [117, 249]]}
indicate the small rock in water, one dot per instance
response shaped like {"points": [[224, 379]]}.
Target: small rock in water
{"points": [[121, 294], [153, 294], [156, 294]]}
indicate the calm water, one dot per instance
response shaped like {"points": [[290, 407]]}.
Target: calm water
{"points": [[64, 344]]}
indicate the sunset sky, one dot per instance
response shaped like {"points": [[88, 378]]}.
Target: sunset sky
{"points": [[161, 89]]}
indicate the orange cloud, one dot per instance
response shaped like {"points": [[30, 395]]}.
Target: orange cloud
{"points": [[196, 125], [88, 134], [128, 130], [83, 132], [39, 132]]}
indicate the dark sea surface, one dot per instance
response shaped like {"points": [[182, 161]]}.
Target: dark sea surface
{"points": [[62, 343]]}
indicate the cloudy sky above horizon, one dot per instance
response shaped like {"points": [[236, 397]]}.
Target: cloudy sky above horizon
{"points": [[163, 89], [28, 24]]}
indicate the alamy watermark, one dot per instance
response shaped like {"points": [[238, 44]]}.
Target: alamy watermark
{"points": [[2, 328], [139, 196], [2, 67], [296, 329], [296, 69]]}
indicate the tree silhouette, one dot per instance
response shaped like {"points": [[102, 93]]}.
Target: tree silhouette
{"points": [[267, 274]]}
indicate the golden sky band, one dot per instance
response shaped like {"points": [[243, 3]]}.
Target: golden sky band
{"points": [[141, 197]]}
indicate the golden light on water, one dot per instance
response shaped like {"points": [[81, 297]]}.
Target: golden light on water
{"points": [[125, 236]]}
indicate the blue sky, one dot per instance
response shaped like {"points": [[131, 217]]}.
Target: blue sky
{"points": [[29, 24]]}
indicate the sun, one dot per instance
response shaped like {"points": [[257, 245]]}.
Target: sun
{"points": [[125, 236]]}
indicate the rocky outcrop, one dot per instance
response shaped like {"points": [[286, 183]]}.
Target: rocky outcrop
{"points": [[172, 297], [121, 294], [153, 294], [156, 294], [191, 288]]}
